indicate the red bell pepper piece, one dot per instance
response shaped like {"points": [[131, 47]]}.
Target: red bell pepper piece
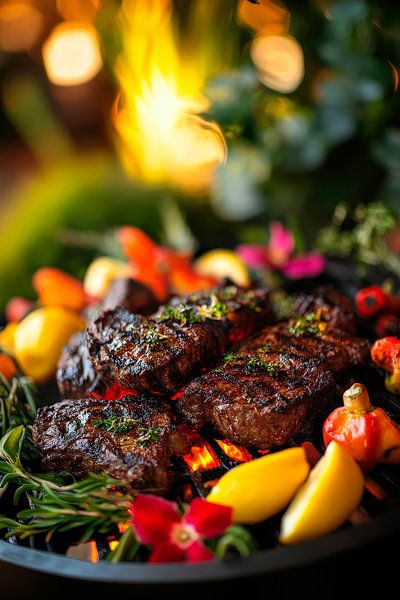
{"points": [[386, 354], [368, 433]]}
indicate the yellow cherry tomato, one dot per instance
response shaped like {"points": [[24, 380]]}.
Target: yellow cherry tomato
{"points": [[220, 263], [263, 487], [40, 337], [7, 336], [326, 500], [101, 273]]}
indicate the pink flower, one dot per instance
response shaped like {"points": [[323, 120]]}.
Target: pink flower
{"points": [[176, 538], [278, 255]]}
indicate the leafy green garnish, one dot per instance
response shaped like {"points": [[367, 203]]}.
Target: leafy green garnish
{"points": [[261, 362], [230, 357], [181, 314], [308, 324], [148, 436], [116, 424], [152, 337]]}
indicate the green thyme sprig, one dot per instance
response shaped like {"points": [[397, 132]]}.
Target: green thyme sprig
{"points": [[152, 337], [182, 314], [116, 424], [308, 324], [120, 424], [148, 436], [262, 363]]}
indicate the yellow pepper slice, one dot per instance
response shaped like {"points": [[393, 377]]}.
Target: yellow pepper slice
{"points": [[263, 487], [40, 337], [329, 496], [7, 336]]}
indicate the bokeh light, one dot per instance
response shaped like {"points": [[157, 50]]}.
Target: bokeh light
{"points": [[71, 54], [279, 60], [20, 27], [78, 10]]}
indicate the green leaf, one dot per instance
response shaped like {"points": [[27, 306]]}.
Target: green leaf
{"points": [[11, 443]]}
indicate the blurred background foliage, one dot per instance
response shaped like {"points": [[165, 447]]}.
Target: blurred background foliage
{"points": [[304, 99]]}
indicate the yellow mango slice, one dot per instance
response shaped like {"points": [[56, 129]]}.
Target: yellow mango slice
{"points": [[326, 500]]}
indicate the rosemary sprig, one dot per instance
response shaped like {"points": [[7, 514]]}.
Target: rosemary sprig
{"points": [[92, 506], [308, 324]]}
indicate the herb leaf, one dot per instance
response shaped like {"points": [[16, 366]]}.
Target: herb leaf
{"points": [[308, 324], [115, 424]]}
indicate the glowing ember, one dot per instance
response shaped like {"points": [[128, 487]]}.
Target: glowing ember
{"points": [[115, 543], [201, 458], [94, 553], [234, 452], [263, 452], [113, 392]]}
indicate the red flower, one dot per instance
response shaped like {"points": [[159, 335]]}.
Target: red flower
{"points": [[176, 538]]}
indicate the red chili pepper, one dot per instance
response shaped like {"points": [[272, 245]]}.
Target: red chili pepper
{"points": [[368, 433], [386, 325], [370, 301]]}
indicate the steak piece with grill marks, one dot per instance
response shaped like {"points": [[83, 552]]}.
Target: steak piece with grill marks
{"points": [[337, 309], [272, 386], [131, 441], [183, 338], [76, 375]]}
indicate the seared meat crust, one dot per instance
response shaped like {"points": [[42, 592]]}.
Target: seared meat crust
{"points": [[162, 353], [68, 439], [76, 374], [272, 385], [337, 309]]}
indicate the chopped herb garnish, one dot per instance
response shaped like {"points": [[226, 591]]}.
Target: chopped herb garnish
{"points": [[115, 424], [308, 324], [180, 314], [187, 314], [261, 362], [152, 337], [228, 293], [230, 357], [148, 436], [218, 309], [266, 347]]}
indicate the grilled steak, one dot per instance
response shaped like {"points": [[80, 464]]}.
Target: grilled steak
{"points": [[337, 310], [76, 375], [271, 386], [188, 335], [132, 295], [131, 441]]}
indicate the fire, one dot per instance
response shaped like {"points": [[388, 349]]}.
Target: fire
{"points": [[234, 452], [94, 553], [201, 458], [122, 527], [162, 137]]}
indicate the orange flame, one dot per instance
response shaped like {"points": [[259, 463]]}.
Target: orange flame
{"points": [[94, 553], [201, 458], [122, 528], [234, 452], [162, 137]]}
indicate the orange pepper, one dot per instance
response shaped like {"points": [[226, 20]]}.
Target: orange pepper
{"points": [[137, 246], [7, 366], [368, 433], [56, 288], [386, 354], [183, 277]]}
